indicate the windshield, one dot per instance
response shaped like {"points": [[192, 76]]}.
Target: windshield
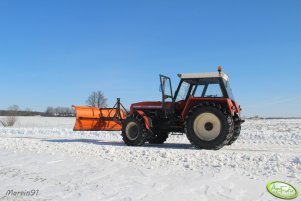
{"points": [[229, 90]]}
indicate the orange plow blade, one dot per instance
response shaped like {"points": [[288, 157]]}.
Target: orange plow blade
{"points": [[98, 119]]}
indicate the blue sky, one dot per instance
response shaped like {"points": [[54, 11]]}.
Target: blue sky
{"points": [[55, 53]]}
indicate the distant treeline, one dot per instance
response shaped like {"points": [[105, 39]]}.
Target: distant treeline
{"points": [[59, 112], [282, 118], [20, 113], [50, 112], [256, 117], [96, 99]]}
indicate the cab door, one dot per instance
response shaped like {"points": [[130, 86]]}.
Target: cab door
{"points": [[167, 95]]}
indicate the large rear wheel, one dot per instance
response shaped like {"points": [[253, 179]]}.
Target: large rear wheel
{"points": [[209, 127], [133, 131], [237, 128]]}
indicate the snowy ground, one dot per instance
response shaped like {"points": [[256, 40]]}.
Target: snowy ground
{"points": [[45, 154]]}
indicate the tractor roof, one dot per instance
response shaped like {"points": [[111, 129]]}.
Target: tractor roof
{"points": [[203, 75]]}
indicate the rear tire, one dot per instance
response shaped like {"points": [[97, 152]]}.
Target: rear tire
{"points": [[237, 129], [133, 131], [208, 126], [159, 138]]}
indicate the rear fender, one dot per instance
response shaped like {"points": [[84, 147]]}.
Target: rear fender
{"points": [[230, 106], [147, 120], [193, 101]]}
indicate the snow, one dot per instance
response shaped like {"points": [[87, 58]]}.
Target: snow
{"points": [[45, 154]]}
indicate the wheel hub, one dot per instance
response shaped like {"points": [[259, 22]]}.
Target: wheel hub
{"points": [[132, 131], [207, 126]]}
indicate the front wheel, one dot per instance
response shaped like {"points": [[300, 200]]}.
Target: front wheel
{"points": [[133, 131], [209, 127]]}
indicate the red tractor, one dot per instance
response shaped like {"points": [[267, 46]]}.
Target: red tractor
{"points": [[202, 107]]}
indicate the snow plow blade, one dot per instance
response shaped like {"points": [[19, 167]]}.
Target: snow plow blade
{"points": [[99, 119]]}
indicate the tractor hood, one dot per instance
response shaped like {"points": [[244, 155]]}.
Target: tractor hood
{"points": [[147, 105]]}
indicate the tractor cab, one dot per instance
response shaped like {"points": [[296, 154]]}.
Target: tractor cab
{"points": [[202, 86]]}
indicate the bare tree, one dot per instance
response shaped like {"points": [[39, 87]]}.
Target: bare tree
{"points": [[97, 99], [49, 111], [28, 109], [13, 108], [8, 121], [11, 119]]}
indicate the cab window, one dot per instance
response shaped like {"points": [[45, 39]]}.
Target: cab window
{"points": [[213, 90], [183, 92], [208, 90]]}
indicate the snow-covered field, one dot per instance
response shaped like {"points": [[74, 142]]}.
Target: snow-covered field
{"points": [[46, 155]]}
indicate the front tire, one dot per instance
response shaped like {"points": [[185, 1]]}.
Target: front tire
{"points": [[209, 127], [133, 131]]}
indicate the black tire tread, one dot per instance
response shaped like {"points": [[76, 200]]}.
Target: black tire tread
{"points": [[230, 125], [142, 138], [237, 129]]}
